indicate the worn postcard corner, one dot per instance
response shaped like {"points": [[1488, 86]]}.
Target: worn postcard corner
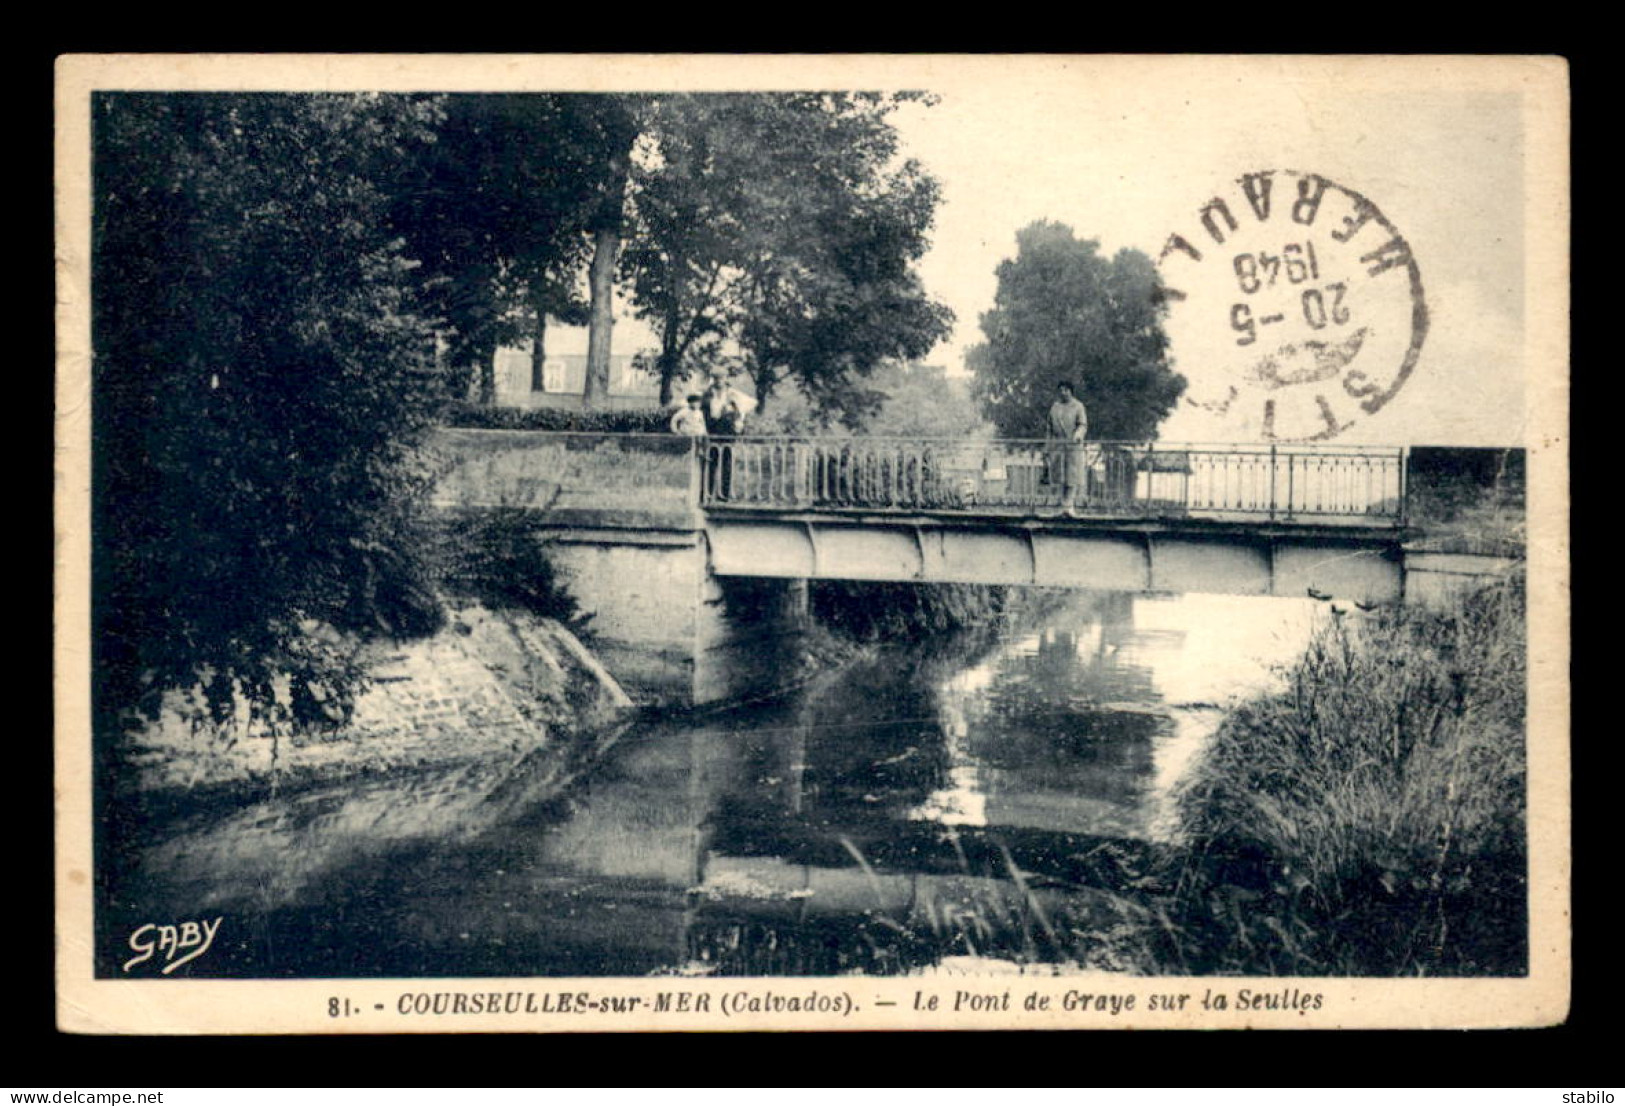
{"points": [[625, 543]]}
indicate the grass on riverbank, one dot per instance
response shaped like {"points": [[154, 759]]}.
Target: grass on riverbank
{"points": [[1370, 818]]}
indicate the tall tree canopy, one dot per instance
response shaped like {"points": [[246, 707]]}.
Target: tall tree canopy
{"points": [[781, 228], [1064, 312], [498, 208], [262, 375], [273, 273]]}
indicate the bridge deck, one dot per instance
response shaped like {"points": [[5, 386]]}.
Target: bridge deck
{"points": [[1226, 555], [1012, 479], [1150, 517]]}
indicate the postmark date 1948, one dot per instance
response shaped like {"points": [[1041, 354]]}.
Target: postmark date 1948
{"points": [[1318, 301]]}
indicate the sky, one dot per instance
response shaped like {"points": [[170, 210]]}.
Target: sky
{"points": [[1129, 157], [1464, 157]]}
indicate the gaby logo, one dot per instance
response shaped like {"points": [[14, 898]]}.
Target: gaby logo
{"points": [[178, 943]]}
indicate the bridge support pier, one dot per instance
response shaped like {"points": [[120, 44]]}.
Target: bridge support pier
{"points": [[671, 632], [748, 636]]}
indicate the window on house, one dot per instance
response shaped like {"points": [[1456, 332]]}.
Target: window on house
{"points": [[552, 375]]}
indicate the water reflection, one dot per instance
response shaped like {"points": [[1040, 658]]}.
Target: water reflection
{"points": [[872, 823]]}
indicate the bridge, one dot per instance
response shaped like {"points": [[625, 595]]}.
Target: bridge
{"points": [[693, 551], [1236, 519]]}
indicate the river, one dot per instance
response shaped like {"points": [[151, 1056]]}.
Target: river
{"points": [[923, 810]]}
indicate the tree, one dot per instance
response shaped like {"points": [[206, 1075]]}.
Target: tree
{"points": [[905, 401], [262, 380], [1064, 312], [689, 188], [924, 402], [608, 125], [781, 230], [497, 209]]}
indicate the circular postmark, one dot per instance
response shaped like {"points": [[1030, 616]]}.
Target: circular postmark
{"points": [[1301, 301]]}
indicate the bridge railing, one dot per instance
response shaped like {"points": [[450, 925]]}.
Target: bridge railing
{"points": [[1143, 479]]}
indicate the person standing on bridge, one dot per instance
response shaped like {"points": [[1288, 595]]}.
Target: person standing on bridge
{"points": [[724, 407], [1068, 423], [724, 412], [689, 419]]}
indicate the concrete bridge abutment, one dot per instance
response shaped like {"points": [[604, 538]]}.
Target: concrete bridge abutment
{"points": [[669, 630]]}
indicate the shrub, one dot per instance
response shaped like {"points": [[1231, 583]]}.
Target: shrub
{"points": [[494, 557], [870, 612], [549, 418]]}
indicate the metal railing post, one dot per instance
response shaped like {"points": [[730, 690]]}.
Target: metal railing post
{"points": [[696, 472], [1272, 481], [1404, 486], [1150, 472]]}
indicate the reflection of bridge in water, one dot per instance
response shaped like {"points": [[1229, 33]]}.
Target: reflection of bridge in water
{"points": [[685, 547]]}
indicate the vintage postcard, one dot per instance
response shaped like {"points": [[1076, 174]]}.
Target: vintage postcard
{"points": [[608, 543]]}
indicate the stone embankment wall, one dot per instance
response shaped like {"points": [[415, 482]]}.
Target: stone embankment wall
{"points": [[622, 481], [493, 686]]}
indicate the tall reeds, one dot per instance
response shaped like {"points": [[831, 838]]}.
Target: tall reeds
{"points": [[1370, 818]]}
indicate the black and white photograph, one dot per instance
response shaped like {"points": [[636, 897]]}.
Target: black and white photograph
{"points": [[638, 543]]}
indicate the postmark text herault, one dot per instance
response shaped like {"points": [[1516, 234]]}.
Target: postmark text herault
{"points": [[1311, 294]]}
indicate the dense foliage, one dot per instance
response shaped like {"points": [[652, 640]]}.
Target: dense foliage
{"points": [[904, 401], [495, 208], [291, 289], [262, 375], [1064, 312], [494, 558], [865, 611], [778, 232], [479, 417]]}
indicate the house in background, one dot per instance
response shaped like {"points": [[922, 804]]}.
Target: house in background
{"points": [[564, 372]]}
